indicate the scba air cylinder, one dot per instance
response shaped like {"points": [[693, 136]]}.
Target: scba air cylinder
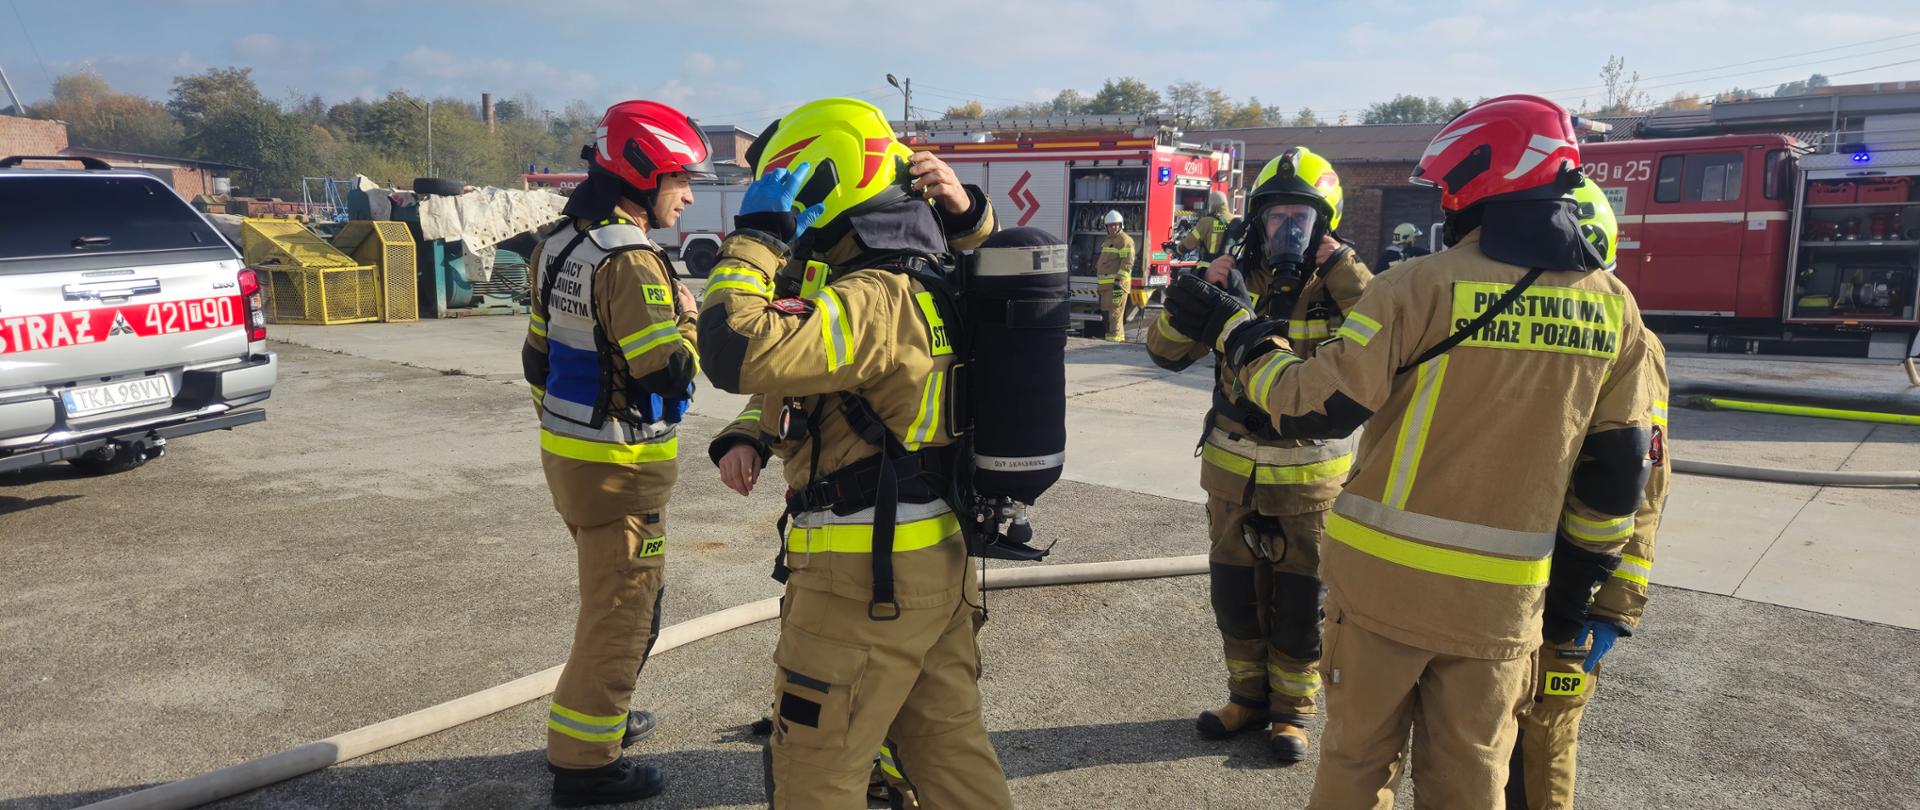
{"points": [[1016, 296]]}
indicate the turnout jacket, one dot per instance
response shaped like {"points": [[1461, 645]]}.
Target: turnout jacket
{"points": [[1623, 597], [1275, 473], [871, 332], [1475, 460]]}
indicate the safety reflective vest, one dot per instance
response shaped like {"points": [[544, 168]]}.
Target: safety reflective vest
{"points": [[575, 417]]}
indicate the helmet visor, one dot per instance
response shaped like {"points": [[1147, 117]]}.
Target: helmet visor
{"points": [[1289, 232]]}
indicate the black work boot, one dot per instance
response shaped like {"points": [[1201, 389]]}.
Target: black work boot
{"points": [[639, 727], [616, 782], [1232, 719], [1288, 742]]}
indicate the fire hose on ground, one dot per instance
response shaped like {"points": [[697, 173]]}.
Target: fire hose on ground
{"points": [[257, 773], [299, 760]]}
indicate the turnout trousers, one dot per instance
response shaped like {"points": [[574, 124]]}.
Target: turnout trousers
{"points": [[1545, 758], [618, 522], [1267, 606], [1461, 711], [846, 684]]}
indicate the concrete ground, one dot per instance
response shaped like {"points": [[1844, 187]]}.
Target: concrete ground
{"points": [[385, 542]]}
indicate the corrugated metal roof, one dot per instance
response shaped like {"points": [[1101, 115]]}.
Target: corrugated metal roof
{"points": [[1364, 143]]}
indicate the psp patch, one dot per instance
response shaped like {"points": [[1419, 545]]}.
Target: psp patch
{"points": [[791, 306], [657, 294]]}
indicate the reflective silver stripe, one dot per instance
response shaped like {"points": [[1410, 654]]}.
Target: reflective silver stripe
{"points": [[1019, 463], [1280, 456], [905, 513], [1634, 565], [931, 399], [587, 728], [614, 430], [1596, 531], [575, 411], [1025, 261], [1360, 328], [831, 327], [659, 332], [1413, 431], [1441, 531]]}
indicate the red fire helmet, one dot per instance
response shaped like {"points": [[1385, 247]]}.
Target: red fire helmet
{"points": [[640, 140], [1498, 147]]}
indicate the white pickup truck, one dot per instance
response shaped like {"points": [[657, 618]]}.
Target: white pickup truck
{"points": [[126, 320]]}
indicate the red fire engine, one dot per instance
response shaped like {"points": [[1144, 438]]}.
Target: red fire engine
{"points": [[1063, 176], [1765, 245]]}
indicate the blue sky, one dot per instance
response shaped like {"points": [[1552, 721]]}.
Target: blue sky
{"points": [[746, 61]]}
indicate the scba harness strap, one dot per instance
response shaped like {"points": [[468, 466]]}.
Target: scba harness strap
{"points": [[893, 474]]}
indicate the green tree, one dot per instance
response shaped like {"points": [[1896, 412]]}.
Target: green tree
{"points": [[1306, 118], [197, 98], [1683, 101], [1124, 96], [277, 147], [508, 110], [1069, 102], [1622, 94], [1800, 88], [1188, 101], [97, 116], [969, 110], [1406, 109]]}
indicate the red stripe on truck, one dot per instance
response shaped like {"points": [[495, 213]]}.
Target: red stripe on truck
{"points": [[55, 330]]}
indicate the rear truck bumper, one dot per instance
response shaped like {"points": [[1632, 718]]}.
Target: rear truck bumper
{"points": [[150, 435], [33, 432]]}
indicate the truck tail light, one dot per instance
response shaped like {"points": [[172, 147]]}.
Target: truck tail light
{"points": [[256, 303]]}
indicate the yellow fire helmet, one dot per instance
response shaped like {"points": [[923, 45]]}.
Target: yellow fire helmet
{"points": [[856, 163], [1597, 222], [1303, 176]]}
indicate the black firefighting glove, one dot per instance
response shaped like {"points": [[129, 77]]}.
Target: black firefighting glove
{"points": [[1252, 341], [1200, 310], [1571, 580]]}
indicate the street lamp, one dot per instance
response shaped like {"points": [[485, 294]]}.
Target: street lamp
{"points": [[429, 111], [906, 104]]}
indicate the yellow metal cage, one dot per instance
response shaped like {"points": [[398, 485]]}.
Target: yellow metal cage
{"points": [[307, 281], [390, 248]]}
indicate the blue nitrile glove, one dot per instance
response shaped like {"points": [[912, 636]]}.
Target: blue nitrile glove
{"points": [[1603, 634], [768, 204]]}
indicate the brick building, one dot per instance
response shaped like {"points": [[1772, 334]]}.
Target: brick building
{"points": [[188, 177], [1374, 162]]}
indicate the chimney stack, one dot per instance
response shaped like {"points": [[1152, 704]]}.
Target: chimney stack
{"points": [[486, 109]]}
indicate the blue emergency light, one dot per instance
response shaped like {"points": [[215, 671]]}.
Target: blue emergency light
{"points": [[1862, 156], [1166, 173]]}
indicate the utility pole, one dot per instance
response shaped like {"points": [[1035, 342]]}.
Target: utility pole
{"points": [[18, 108], [429, 111], [906, 103]]}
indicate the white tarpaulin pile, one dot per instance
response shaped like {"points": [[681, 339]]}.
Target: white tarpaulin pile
{"points": [[481, 218]]}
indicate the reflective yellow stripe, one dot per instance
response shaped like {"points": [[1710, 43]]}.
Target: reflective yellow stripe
{"points": [[694, 350], [1413, 432], [739, 279], [1122, 251], [536, 324], [748, 415], [1359, 328], [1634, 569], [932, 396], [539, 394], [1660, 412], [1165, 327], [1270, 474], [857, 538], [1245, 670], [588, 727], [1596, 531], [1295, 684], [585, 450], [1108, 279], [1435, 559], [887, 763], [836, 335], [659, 334], [1226, 329], [1263, 379]]}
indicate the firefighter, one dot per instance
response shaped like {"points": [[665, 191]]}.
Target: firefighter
{"points": [[1569, 672], [1405, 245], [610, 357], [1209, 233], [877, 632], [1502, 473], [1116, 276], [1268, 492]]}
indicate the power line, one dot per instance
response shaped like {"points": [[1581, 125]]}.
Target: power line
{"points": [[1749, 62], [35, 48], [1780, 68]]}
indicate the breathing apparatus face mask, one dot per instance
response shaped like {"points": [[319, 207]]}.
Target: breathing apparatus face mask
{"points": [[1290, 234]]}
